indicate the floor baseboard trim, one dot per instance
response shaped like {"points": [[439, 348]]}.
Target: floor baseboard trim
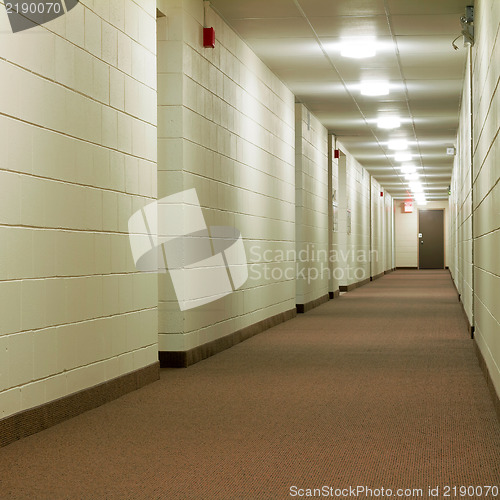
{"points": [[183, 359], [28, 422], [470, 328], [494, 396], [334, 295], [352, 286], [377, 276], [303, 308], [404, 267], [456, 289]]}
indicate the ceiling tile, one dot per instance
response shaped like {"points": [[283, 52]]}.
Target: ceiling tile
{"points": [[350, 26], [425, 6], [424, 71], [231, 9], [427, 44], [327, 8], [323, 72], [426, 24], [272, 28], [285, 47], [434, 89]]}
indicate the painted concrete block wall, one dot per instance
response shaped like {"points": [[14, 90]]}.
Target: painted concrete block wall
{"points": [[389, 232], [311, 201], [78, 142], [486, 185], [354, 221], [461, 206], [334, 209], [406, 232], [381, 230], [226, 128]]}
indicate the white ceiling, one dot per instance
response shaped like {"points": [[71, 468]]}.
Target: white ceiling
{"points": [[298, 40]]}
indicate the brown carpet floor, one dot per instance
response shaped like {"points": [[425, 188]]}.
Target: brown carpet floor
{"points": [[380, 388]]}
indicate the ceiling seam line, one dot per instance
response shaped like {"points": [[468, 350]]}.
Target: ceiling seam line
{"points": [[391, 31], [325, 53]]}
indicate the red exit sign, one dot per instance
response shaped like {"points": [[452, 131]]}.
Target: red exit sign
{"points": [[408, 207]]}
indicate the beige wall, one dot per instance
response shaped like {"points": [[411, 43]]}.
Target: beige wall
{"points": [[476, 263], [354, 220], [461, 206], [226, 128], [333, 215], [406, 232], [78, 141], [363, 245], [311, 200], [381, 229]]}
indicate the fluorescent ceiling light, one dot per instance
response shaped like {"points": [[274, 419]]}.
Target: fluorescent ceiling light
{"points": [[374, 87], [408, 169], [358, 48], [403, 157], [420, 199], [398, 144], [412, 177], [416, 187], [389, 122]]}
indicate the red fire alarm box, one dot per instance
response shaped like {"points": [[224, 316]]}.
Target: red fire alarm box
{"points": [[208, 38], [381, 193], [336, 153]]}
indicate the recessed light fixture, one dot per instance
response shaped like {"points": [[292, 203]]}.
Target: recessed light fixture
{"points": [[421, 199], [416, 187], [389, 122], [374, 87], [398, 144], [403, 157], [408, 169], [412, 177], [358, 48]]}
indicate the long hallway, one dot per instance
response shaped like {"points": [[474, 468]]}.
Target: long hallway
{"points": [[380, 388]]}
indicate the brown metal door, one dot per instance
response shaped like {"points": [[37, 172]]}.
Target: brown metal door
{"points": [[431, 239]]}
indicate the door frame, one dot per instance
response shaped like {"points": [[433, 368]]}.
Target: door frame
{"points": [[418, 232]]}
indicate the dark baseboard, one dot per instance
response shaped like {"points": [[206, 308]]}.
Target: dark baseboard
{"points": [[377, 276], [470, 328], [334, 295], [33, 420], [352, 286], [303, 308], [183, 359], [410, 267], [456, 289], [494, 396]]}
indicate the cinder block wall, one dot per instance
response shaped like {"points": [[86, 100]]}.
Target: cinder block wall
{"points": [[477, 194], [226, 129], [78, 142], [381, 230], [311, 198], [354, 222], [461, 205]]}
